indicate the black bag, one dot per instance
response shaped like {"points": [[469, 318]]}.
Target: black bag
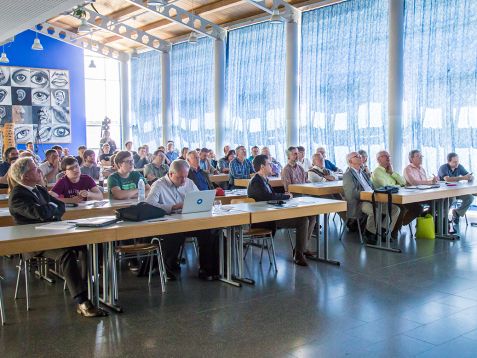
{"points": [[389, 190], [140, 212]]}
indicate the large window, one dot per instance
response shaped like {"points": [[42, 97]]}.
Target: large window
{"points": [[256, 88], [344, 67], [146, 100], [103, 98], [192, 94], [440, 80]]}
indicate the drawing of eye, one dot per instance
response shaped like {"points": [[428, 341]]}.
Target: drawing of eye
{"points": [[59, 79], [40, 97], [39, 78], [61, 115], [20, 76], [3, 94], [21, 94], [22, 133], [60, 131], [44, 133]]}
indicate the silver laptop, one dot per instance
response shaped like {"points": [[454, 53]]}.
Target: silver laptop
{"points": [[197, 201], [99, 221]]}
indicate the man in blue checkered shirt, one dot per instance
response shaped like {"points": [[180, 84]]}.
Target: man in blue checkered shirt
{"points": [[240, 167]]}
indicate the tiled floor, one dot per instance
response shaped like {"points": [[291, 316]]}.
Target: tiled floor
{"points": [[422, 302]]}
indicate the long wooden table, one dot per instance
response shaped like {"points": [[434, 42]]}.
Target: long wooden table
{"points": [[439, 197], [297, 207], [275, 182], [219, 178], [317, 189], [84, 210]]}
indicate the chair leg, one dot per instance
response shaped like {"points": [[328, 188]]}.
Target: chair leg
{"points": [[290, 239], [19, 271], [2, 305], [151, 259], [360, 235], [272, 246], [410, 230], [160, 264], [26, 285], [267, 240], [261, 250]]}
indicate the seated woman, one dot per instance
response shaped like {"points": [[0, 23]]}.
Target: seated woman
{"points": [[124, 183], [224, 163], [105, 157], [184, 152], [157, 168], [276, 166], [112, 169], [75, 187]]}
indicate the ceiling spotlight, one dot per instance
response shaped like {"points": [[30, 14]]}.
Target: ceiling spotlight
{"points": [[84, 28], [92, 64], [192, 38], [37, 46], [275, 18], [3, 57]]}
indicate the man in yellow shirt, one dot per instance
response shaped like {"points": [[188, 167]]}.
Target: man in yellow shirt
{"points": [[384, 175]]}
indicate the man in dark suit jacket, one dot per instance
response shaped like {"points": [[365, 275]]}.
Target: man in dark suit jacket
{"points": [[260, 190], [196, 174], [355, 181], [30, 203]]}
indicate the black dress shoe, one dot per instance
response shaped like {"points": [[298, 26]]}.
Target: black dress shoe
{"points": [[86, 309], [203, 275], [300, 260]]}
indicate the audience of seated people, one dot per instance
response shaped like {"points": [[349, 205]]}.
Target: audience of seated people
{"points": [[30, 202]]}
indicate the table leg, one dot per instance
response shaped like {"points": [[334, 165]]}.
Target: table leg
{"points": [[379, 244], [228, 277], [240, 277], [2, 304], [325, 257], [109, 298], [442, 222]]}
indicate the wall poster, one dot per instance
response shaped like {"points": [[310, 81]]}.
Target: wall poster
{"points": [[37, 102]]}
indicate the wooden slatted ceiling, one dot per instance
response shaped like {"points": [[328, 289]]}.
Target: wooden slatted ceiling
{"points": [[221, 12]]}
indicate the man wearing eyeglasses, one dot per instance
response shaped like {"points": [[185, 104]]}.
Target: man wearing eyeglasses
{"points": [[354, 182], [11, 154], [75, 187]]}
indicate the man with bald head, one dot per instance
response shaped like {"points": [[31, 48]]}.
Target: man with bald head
{"points": [[384, 175], [354, 182]]}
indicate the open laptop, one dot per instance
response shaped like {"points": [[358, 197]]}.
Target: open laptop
{"points": [[100, 221], [197, 201]]}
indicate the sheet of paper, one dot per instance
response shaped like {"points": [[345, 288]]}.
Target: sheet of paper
{"points": [[56, 225]]}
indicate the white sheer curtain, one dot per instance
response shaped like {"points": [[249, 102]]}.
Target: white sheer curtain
{"points": [[344, 63], [146, 102], [256, 88], [192, 81], [440, 74]]}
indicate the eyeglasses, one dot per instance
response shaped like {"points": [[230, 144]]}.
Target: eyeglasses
{"points": [[128, 161], [76, 166]]}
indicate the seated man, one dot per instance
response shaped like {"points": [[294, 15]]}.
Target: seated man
{"points": [[80, 156], [171, 154], [292, 173], [123, 184], [89, 166], [157, 168], [141, 158], [454, 172], [75, 187], [105, 156], [240, 167], [51, 166], [205, 163], [364, 162], [30, 203], [328, 164], [197, 174], [414, 173], [168, 193], [354, 182], [11, 154], [260, 190], [318, 173], [303, 161], [254, 152], [276, 166], [384, 175]]}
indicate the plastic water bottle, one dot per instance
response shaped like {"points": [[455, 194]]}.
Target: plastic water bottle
{"points": [[141, 191], [101, 177]]}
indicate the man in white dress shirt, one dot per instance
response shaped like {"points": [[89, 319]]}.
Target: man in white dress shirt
{"points": [[168, 193]]}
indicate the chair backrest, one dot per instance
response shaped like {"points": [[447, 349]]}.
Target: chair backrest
{"points": [[242, 200]]}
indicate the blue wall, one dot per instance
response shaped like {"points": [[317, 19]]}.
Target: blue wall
{"points": [[59, 55]]}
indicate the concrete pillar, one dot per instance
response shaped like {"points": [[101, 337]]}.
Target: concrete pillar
{"points": [[166, 97], [291, 83], [219, 94], [125, 95], [396, 81]]}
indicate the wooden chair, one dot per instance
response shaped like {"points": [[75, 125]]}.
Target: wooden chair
{"points": [[260, 236]]}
